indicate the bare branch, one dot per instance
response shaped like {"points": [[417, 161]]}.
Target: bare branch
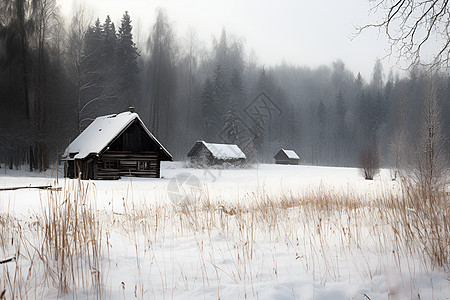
{"points": [[410, 25]]}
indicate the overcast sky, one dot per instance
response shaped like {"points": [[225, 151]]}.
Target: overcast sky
{"points": [[296, 32]]}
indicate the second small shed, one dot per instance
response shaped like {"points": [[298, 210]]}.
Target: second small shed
{"points": [[286, 157], [215, 154]]}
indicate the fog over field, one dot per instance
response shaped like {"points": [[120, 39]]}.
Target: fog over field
{"points": [[224, 149], [193, 69]]}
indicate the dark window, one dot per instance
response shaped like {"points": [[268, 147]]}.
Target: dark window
{"points": [[110, 164], [148, 165], [143, 165]]}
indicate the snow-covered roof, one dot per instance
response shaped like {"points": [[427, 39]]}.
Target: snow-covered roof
{"points": [[223, 151], [290, 154], [101, 132]]}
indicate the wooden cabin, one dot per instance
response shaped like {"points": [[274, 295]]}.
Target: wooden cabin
{"points": [[114, 146], [203, 153], [286, 157]]}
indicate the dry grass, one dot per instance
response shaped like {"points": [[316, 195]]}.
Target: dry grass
{"points": [[66, 247], [71, 240], [61, 248], [393, 225]]}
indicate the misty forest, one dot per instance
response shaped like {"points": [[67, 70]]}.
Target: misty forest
{"points": [[341, 190], [57, 75]]}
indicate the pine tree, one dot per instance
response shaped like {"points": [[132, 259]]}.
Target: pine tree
{"points": [[368, 117], [341, 111], [161, 76], [92, 46], [377, 76], [109, 68], [221, 93], [209, 110], [321, 116], [340, 129], [128, 70], [109, 41], [265, 83], [359, 83], [262, 119], [221, 52], [233, 129]]}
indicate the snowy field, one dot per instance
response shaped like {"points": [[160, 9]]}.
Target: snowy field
{"points": [[267, 232]]}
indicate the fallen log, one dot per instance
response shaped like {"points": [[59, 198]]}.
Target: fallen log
{"points": [[41, 187], [7, 260]]}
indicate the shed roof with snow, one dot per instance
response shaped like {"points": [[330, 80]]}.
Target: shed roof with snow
{"points": [[286, 157], [217, 152]]}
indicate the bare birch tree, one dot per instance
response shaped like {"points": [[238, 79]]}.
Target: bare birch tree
{"points": [[75, 45], [431, 157]]}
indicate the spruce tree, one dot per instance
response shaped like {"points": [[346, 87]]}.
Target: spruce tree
{"points": [[108, 69], [92, 46], [209, 110], [321, 142], [220, 86], [340, 128], [161, 77], [127, 66], [109, 40], [233, 130]]}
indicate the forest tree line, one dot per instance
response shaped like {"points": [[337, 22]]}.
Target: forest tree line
{"points": [[55, 78]]}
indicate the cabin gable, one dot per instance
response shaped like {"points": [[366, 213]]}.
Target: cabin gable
{"points": [[200, 155], [133, 139]]}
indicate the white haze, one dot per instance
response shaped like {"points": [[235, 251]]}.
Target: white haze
{"points": [[309, 33]]}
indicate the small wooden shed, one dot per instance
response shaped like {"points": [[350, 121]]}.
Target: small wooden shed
{"points": [[286, 157], [215, 154], [113, 146]]}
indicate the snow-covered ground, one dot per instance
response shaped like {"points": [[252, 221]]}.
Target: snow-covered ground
{"points": [[207, 234]]}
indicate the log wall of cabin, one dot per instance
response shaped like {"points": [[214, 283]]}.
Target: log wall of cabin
{"points": [[286, 161], [83, 168], [282, 161], [115, 164]]}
